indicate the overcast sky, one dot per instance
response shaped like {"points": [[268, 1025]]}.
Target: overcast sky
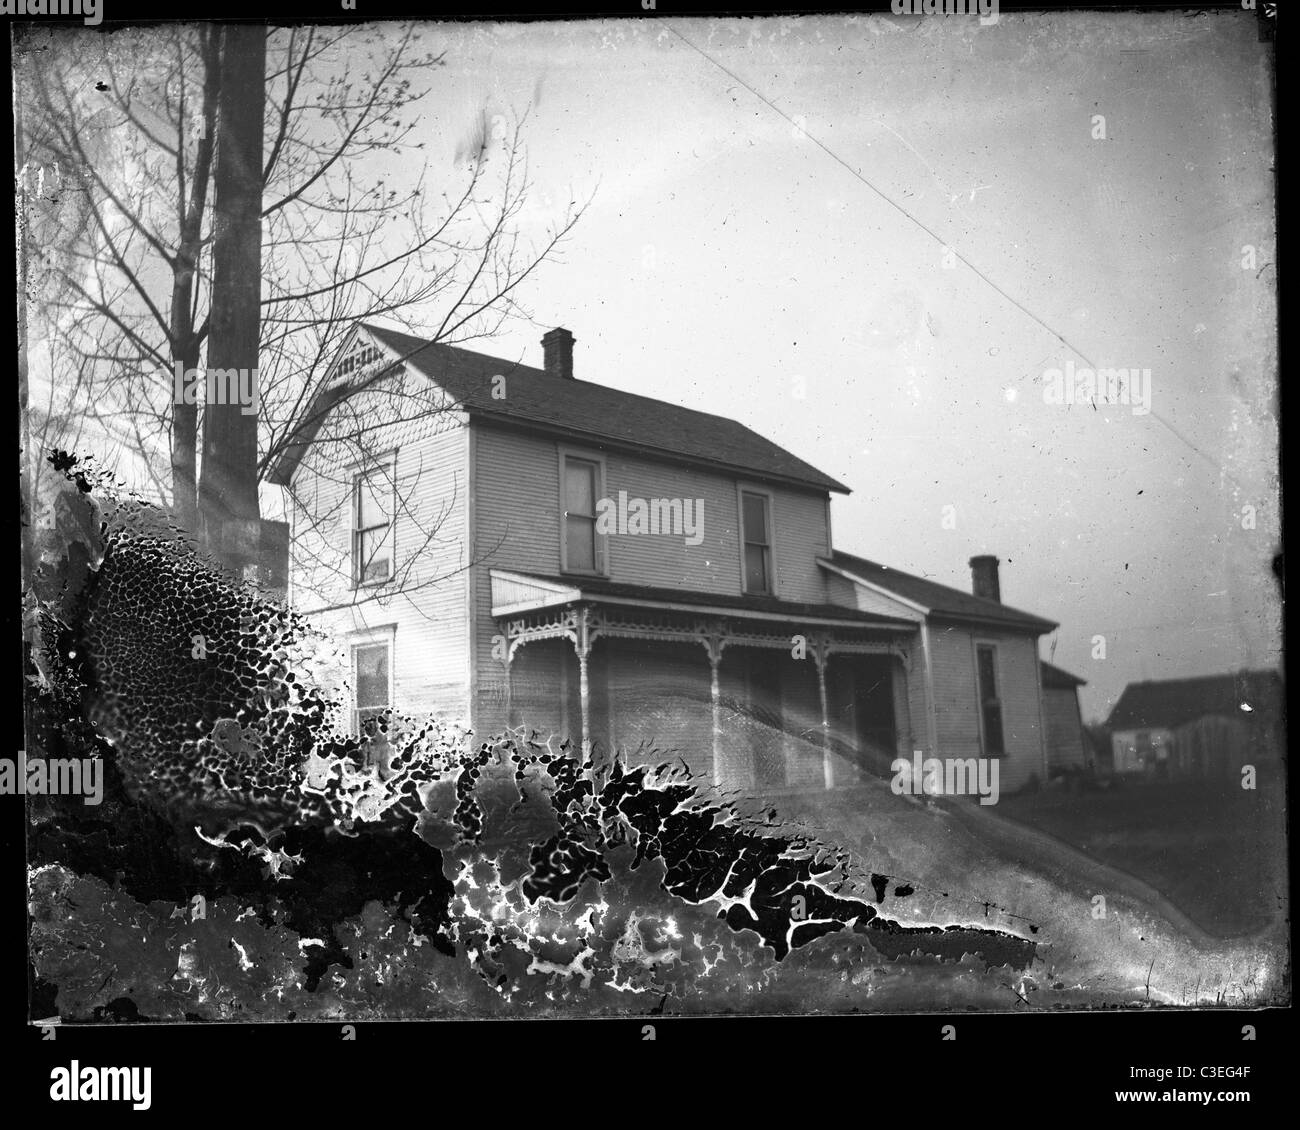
{"points": [[731, 264], [868, 238]]}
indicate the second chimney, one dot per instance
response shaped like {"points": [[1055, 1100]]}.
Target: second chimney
{"points": [[984, 577], [557, 353]]}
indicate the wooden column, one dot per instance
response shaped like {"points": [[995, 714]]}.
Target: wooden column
{"points": [[902, 708], [510, 652], [582, 644], [566, 719], [610, 727], [714, 643], [820, 656]]}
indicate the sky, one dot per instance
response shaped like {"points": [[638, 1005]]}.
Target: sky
{"points": [[871, 239], [772, 206]]}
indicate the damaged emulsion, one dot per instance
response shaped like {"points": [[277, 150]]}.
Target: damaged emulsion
{"points": [[232, 777]]}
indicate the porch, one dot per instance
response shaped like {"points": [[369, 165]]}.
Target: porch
{"points": [[759, 695]]}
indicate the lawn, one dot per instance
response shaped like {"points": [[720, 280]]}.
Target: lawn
{"points": [[1215, 850]]}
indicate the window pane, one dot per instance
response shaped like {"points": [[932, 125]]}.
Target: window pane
{"points": [[580, 543], [580, 487], [374, 493], [376, 558], [988, 677], [372, 677], [754, 509], [990, 708], [993, 728], [756, 569]]}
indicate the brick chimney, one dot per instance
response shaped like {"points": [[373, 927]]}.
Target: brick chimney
{"points": [[984, 577], [557, 352]]}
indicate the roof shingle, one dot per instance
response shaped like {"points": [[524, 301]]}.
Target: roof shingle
{"points": [[581, 408], [941, 600]]}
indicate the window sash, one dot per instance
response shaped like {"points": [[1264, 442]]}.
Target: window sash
{"points": [[371, 675], [371, 696], [580, 477], [990, 703], [582, 544], [374, 559], [756, 540], [756, 569], [372, 526]]}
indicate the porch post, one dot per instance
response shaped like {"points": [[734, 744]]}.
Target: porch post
{"points": [[582, 644], [715, 697], [714, 641], [902, 707], [820, 652], [509, 693]]}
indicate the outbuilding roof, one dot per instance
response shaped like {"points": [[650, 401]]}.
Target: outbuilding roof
{"points": [[1169, 703]]}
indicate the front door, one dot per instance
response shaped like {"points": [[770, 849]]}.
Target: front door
{"points": [[873, 696]]}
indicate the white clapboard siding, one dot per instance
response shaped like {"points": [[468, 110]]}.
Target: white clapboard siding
{"points": [[426, 614], [517, 520], [518, 497], [952, 650]]}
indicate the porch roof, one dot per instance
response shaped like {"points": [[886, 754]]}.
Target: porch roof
{"points": [[515, 593]]}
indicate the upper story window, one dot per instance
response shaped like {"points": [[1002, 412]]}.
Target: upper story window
{"points": [[756, 540], [583, 549], [372, 526], [986, 657]]}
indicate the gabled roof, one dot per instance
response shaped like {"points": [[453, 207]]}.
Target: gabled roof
{"points": [[1057, 678], [582, 410], [1169, 703], [934, 599]]}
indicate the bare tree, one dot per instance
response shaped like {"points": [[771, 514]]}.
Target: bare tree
{"points": [[127, 285]]}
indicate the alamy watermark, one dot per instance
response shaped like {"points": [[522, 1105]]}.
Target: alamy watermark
{"points": [[987, 10], [91, 10], [1098, 386], [216, 386], [678, 517], [947, 776], [39, 776], [76, 1083]]}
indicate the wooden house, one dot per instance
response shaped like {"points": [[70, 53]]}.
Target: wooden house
{"points": [[519, 546]]}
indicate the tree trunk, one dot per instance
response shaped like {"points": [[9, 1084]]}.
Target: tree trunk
{"points": [[228, 487], [184, 340]]}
